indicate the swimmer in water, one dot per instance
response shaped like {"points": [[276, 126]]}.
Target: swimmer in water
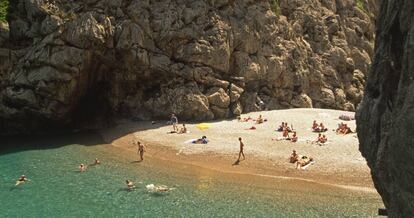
{"points": [[97, 161], [130, 184], [21, 180], [82, 167]]}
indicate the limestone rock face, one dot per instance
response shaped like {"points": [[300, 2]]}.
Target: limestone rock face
{"points": [[385, 118], [201, 59]]}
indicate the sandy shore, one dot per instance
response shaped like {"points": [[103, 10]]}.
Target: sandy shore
{"points": [[339, 163]]}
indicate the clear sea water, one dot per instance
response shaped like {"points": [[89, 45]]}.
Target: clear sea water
{"points": [[57, 189]]}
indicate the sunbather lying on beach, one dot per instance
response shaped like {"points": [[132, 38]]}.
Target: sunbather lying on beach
{"points": [[203, 140], [303, 161], [22, 180], [252, 128], [244, 119]]}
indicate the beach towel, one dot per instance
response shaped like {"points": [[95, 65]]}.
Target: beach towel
{"points": [[203, 126], [324, 115], [190, 141], [347, 117], [307, 165], [321, 144], [281, 138]]}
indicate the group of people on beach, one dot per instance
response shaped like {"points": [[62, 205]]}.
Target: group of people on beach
{"points": [[259, 119], [343, 128], [318, 128], [288, 133], [174, 122]]}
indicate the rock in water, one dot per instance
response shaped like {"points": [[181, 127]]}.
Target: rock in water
{"points": [[70, 61], [385, 118]]}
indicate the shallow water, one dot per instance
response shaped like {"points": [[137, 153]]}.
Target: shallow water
{"points": [[57, 189]]}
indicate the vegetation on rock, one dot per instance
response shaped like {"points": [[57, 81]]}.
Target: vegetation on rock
{"points": [[274, 5], [4, 5]]}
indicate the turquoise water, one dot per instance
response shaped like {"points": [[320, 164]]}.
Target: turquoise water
{"points": [[57, 189]]}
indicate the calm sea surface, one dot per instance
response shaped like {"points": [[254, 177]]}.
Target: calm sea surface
{"points": [[57, 189]]}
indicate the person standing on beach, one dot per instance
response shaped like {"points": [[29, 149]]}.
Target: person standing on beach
{"points": [[241, 153], [174, 121], [141, 150]]}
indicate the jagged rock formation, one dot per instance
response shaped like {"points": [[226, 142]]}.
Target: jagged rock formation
{"points": [[386, 115], [204, 59]]}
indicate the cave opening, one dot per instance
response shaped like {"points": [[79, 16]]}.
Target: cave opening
{"points": [[93, 109]]}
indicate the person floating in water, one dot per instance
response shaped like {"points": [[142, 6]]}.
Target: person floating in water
{"points": [[22, 180], [141, 150], [97, 161], [130, 184], [241, 153], [82, 167]]}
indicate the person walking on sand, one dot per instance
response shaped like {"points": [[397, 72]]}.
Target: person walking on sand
{"points": [[174, 121], [141, 150], [241, 153]]}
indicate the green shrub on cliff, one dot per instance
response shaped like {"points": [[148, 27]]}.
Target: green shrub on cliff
{"points": [[4, 5], [274, 6], [361, 5]]}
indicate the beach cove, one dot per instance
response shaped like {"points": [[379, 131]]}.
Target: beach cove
{"points": [[204, 180]]}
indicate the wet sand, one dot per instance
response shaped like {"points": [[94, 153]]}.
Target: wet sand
{"points": [[337, 164]]}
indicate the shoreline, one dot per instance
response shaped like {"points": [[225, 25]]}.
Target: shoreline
{"points": [[352, 175]]}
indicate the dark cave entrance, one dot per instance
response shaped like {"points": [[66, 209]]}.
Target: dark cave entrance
{"points": [[93, 109]]}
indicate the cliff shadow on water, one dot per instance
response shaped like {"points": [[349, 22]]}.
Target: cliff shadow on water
{"points": [[12, 144]]}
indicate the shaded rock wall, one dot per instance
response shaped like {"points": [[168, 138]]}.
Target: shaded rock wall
{"points": [[385, 119], [204, 59]]}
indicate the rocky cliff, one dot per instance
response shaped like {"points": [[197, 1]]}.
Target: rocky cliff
{"points": [[63, 61], [386, 116]]}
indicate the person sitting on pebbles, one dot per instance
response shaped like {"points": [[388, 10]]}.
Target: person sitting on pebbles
{"points": [[294, 137], [293, 157], [314, 125], [260, 119], [323, 139], [285, 134], [183, 129]]}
